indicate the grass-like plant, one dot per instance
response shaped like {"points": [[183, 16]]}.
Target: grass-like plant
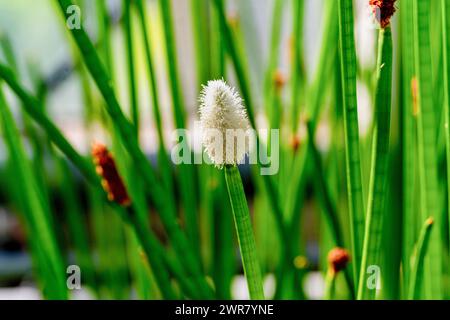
{"points": [[415, 284], [428, 170], [363, 153], [408, 136], [222, 111], [48, 260], [380, 151], [446, 53], [353, 167]]}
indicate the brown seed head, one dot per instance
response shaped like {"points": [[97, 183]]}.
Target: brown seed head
{"points": [[383, 11], [295, 142], [279, 80], [112, 183], [338, 259]]}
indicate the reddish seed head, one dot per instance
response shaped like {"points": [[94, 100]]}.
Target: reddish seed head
{"points": [[383, 11], [295, 142], [111, 181], [338, 259], [279, 79]]}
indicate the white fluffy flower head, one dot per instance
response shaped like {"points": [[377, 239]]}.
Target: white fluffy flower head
{"points": [[224, 123]]}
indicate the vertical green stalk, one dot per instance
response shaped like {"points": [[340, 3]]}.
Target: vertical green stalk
{"points": [[218, 63], [75, 220], [417, 270], [446, 47], [330, 285], [187, 173], [327, 58], [297, 61], [322, 191], [224, 254], [408, 136], [199, 17], [272, 90], [104, 26], [172, 63], [35, 206], [352, 152], [380, 159], [427, 148], [232, 51], [275, 36], [128, 31], [163, 158], [244, 231], [316, 98]]}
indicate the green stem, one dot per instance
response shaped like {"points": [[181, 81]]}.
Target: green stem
{"points": [[172, 64], [417, 269], [318, 87], [236, 59], [408, 137], [218, 61], [163, 158], [35, 205], [328, 207], [274, 49], [380, 160], [330, 285], [446, 47], [187, 173], [297, 62], [427, 158], [199, 14], [244, 231], [75, 219], [128, 30], [352, 153], [104, 23]]}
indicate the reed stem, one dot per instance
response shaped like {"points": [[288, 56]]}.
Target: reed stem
{"points": [[417, 269], [427, 151], [132, 90], [351, 130], [380, 160], [244, 231]]}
